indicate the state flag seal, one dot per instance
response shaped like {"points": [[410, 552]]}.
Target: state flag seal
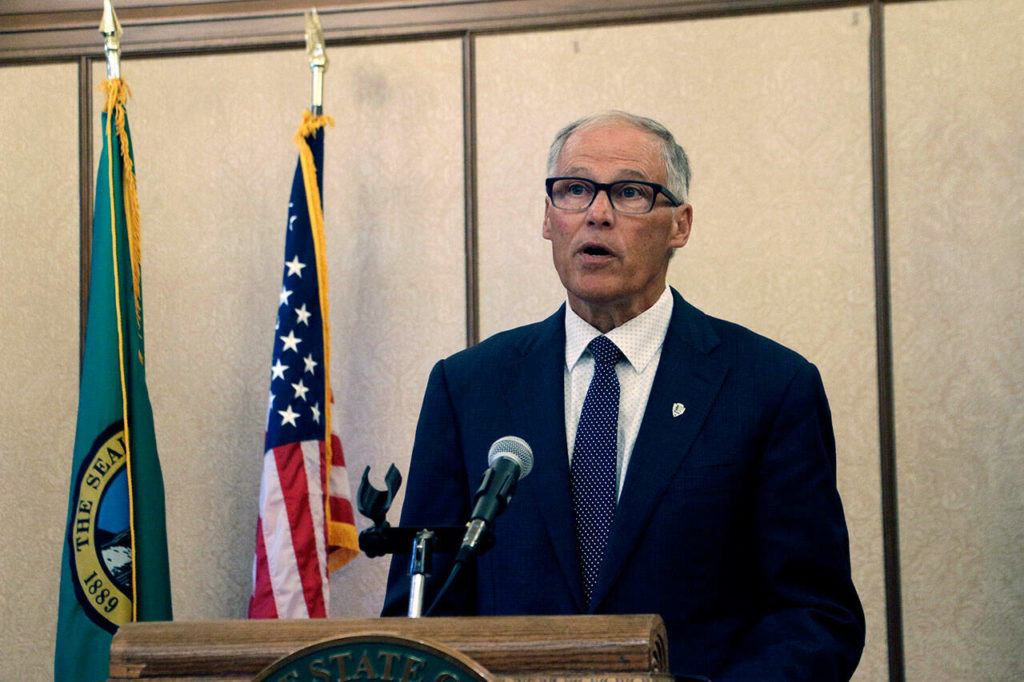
{"points": [[99, 535]]}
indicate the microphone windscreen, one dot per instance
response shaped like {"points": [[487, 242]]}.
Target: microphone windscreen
{"points": [[514, 448]]}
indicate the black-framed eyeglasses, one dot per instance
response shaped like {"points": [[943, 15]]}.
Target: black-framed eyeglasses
{"points": [[625, 196]]}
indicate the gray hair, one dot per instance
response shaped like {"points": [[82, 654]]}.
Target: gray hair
{"points": [[677, 165]]}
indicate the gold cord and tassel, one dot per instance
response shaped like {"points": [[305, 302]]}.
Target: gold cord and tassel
{"points": [[341, 538], [117, 92]]}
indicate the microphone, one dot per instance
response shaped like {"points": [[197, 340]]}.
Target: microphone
{"points": [[509, 460]]}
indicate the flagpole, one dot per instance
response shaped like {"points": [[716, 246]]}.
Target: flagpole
{"points": [[110, 27], [317, 59]]}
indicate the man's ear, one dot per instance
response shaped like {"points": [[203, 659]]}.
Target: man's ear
{"points": [[546, 225], [682, 221]]}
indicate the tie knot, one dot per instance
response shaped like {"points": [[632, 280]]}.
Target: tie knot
{"points": [[604, 350]]}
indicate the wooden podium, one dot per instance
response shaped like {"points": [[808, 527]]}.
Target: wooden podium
{"points": [[511, 648]]}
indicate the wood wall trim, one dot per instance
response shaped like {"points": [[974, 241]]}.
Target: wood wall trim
{"points": [[884, 351], [471, 217], [33, 30]]}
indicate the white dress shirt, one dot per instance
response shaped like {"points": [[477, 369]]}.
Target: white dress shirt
{"points": [[640, 341]]}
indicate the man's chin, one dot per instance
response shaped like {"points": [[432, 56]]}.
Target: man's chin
{"points": [[595, 297], [594, 290]]}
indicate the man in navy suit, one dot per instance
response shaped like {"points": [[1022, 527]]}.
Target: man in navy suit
{"points": [[723, 515]]}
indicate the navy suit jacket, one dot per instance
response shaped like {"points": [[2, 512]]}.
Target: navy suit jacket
{"points": [[729, 524]]}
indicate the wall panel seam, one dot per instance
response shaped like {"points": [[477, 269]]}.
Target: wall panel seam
{"points": [[470, 199], [85, 197], [883, 332]]}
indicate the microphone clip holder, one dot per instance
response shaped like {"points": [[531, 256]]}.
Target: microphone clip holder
{"points": [[382, 538]]}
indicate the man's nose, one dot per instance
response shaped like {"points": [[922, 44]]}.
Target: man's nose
{"points": [[600, 209]]}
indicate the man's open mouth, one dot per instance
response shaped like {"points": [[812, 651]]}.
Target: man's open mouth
{"points": [[595, 250]]}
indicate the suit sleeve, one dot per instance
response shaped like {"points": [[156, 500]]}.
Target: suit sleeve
{"points": [[436, 494], [811, 625]]}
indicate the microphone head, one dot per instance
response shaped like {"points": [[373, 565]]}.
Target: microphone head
{"points": [[515, 449]]}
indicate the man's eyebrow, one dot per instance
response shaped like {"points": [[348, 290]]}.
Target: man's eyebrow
{"points": [[622, 173]]}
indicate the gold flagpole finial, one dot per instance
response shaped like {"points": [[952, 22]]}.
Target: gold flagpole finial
{"points": [[110, 27], [318, 61]]}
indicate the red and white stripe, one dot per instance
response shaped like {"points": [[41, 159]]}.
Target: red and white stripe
{"points": [[290, 578]]}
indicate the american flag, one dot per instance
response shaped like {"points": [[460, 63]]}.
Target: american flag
{"points": [[306, 528]]}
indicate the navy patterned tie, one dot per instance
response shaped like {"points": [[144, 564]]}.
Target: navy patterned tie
{"points": [[592, 477]]}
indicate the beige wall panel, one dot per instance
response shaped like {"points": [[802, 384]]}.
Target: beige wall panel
{"points": [[773, 111], [213, 145], [956, 166], [39, 335], [398, 273]]}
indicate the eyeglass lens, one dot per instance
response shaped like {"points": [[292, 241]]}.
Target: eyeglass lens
{"points": [[627, 197]]}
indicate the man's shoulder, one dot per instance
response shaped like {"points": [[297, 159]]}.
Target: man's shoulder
{"points": [[746, 339], [724, 338], [514, 342]]}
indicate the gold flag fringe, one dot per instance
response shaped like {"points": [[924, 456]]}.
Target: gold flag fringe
{"points": [[341, 539], [117, 93], [117, 96]]}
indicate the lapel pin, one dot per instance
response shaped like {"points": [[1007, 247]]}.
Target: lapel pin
{"points": [[678, 409]]}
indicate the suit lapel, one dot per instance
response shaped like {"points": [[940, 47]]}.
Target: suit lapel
{"points": [[536, 403], [688, 377]]}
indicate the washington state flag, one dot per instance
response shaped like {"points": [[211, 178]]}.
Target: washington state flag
{"points": [[114, 565]]}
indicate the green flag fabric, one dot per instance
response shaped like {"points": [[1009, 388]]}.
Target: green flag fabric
{"points": [[114, 567]]}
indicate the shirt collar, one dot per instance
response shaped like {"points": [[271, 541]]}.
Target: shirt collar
{"points": [[639, 339]]}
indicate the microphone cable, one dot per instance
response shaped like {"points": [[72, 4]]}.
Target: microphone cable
{"points": [[456, 569]]}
